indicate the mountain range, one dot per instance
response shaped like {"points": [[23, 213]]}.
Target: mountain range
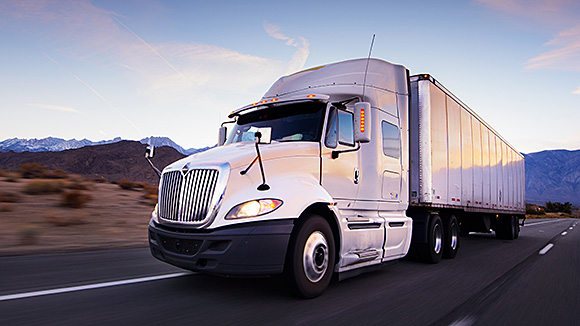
{"points": [[551, 175], [53, 144], [113, 162]]}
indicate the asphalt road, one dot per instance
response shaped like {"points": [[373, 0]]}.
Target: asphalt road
{"points": [[533, 280]]}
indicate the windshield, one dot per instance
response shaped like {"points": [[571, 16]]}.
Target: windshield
{"points": [[290, 122]]}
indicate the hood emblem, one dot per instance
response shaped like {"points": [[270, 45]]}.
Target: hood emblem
{"points": [[184, 169]]}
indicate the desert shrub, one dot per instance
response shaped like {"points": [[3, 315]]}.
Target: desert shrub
{"points": [[128, 185], [36, 171], [99, 179], [74, 199], [11, 176], [150, 190], [29, 234], [54, 174], [9, 197], [77, 182], [6, 207], [40, 187], [32, 170]]}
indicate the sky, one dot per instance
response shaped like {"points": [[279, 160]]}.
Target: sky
{"points": [[136, 68]]}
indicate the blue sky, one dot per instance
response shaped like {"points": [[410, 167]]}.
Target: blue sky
{"points": [[104, 69]]}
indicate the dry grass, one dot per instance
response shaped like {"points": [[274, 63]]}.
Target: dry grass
{"points": [[10, 176], [56, 219], [6, 207], [40, 224], [29, 235], [74, 199], [42, 187], [9, 197], [129, 185]]}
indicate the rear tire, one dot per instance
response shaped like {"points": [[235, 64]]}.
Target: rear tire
{"points": [[516, 227], [432, 251], [311, 256], [506, 228], [451, 237]]}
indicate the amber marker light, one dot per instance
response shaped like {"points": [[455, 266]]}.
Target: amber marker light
{"points": [[362, 120], [311, 95]]}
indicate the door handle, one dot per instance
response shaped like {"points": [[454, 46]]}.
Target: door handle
{"points": [[356, 176]]}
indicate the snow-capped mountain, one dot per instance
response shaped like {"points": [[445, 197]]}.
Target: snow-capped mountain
{"points": [[50, 144], [166, 141]]}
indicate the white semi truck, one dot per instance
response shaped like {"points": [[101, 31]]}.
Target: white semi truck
{"points": [[338, 169]]}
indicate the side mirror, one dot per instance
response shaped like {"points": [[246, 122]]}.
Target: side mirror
{"points": [[150, 151], [264, 135], [362, 122], [222, 135]]}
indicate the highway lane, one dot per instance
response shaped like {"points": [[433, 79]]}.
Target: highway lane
{"points": [[491, 281]]}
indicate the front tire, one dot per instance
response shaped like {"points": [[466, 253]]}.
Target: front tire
{"points": [[311, 256]]}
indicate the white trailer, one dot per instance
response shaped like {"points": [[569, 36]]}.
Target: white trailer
{"points": [[337, 169]]}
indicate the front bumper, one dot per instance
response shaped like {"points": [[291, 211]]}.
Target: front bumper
{"points": [[252, 249]]}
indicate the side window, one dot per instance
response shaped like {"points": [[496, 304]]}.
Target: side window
{"points": [[391, 142], [346, 128], [331, 137]]}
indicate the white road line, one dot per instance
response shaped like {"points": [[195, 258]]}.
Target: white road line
{"points": [[89, 286], [544, 222], [564, 233], [546, 249]]}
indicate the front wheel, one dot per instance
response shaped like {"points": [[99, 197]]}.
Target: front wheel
{"points": [[311, 256]]}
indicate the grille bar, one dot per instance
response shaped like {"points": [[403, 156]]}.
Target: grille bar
{"points": [[187, 198]]}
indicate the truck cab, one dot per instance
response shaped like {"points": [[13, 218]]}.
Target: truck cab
{"points": [[310, 181]]}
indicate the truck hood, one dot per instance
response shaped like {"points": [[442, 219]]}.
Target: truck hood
{"points": [[241, 154]]}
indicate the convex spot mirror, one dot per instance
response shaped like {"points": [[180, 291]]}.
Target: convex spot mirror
{"points": [[362, 122], [150, 151]]}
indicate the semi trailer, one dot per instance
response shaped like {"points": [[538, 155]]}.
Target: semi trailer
{"points": [[335, 170]]}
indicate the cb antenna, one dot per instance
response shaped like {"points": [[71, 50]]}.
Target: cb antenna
{"points": [[367, 67]]}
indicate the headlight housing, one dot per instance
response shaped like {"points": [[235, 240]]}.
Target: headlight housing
{"points": [[254, 208]]}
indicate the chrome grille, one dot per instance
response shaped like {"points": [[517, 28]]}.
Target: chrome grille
{"points": [[187, 197]]}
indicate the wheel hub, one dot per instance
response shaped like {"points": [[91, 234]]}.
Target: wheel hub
{"points": [[315, 256]]}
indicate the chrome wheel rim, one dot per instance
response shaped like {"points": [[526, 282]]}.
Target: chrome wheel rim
{"points": [[454, 236], [315, 256], [437, 236]]}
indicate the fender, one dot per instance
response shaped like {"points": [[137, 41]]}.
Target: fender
{"points": [[297, 190]]}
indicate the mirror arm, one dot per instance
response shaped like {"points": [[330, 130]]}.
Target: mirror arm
{"points": [[335, 153], [154, 167]]}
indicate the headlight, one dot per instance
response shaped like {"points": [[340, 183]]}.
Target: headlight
{"points": [[155, 213], [254, 208]]}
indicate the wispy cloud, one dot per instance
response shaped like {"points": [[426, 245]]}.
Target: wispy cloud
{"points": [[300, 43], [565, 57], [564, 53], [54, 107], [577, 92], [548, 12], [167, 72]]}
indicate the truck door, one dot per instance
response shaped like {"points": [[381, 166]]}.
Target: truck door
{"points": [[340, 175], [362, 229]]}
